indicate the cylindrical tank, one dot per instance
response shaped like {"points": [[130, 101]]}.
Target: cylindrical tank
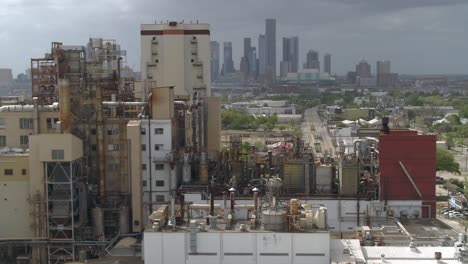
{"points": [[98, 221], [83, 254], [293, 207], [321, 217], [274, 220], [323, 179], [187, 177], [123, 220]]}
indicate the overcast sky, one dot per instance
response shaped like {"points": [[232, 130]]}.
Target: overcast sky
{"points": [[418, 36]]}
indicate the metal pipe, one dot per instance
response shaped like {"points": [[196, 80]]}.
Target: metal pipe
{"points": [[100, 140], [150, 150], [233, 198], [35, 117], [410, 179], [64, 105], [111, 103]]}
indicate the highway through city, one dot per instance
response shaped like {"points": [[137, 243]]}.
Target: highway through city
{"points": [[315, 133]]}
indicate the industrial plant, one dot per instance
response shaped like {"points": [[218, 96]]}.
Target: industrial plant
{"points": [[101, 166]]}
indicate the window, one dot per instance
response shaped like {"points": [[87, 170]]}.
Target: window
{"points": [[159, 131], [159, 166], [143, 147], [24, 140], [143, 166], [113, 147], [160, 183], [58, 154], [159, 198], [144, 183], [113, 131], [158, 147], [2, 123], [8, 172], [93, 147], [26, 123], [93, 131], [143, 131], [2, 141], [52, 122], [23, 172]]}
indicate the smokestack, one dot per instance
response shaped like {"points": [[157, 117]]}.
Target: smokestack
{"points": [[385, 129], [233, 199]]}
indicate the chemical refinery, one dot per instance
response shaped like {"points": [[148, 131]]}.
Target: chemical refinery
{"points": [[104, 167]]}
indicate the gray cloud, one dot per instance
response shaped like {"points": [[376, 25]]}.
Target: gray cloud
{"points": [[419, 36]]}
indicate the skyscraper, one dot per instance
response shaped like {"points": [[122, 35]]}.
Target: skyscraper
{"points": [[253, 63], [247, 57], [384, 76], [214, 60], [363, 69], [228, 63], [383, 67], [312, 60], [290, 62], [261, 55], [270, 37], [327, 63]]}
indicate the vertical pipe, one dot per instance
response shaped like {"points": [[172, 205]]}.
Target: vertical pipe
{"points": [[150, 150], [64, 105], [100, 141], [35, 116], [233, 199]]}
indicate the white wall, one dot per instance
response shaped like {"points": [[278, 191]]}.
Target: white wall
{"points": [[235, 248], [15, 219]]}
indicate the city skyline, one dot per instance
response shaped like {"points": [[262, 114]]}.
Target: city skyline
{"points": [[405, 33]]}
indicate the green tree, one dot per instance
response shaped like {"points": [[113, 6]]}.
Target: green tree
{"points": [[446, 162]]}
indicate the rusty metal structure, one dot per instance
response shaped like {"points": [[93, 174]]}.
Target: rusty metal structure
{"points": [[96, 97]]}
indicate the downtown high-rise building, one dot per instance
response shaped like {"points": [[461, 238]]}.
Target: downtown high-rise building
{"points": [[290, 62], [384, 75], [270, 38], [245, 60], [228, 63], [363, 69], [214, 60], [327, 63], [312, 60], [261, 56]]}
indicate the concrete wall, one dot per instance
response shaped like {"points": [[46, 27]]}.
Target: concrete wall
{"points": [[134, 135], [11, 128], [235, 247], [14, 193]]}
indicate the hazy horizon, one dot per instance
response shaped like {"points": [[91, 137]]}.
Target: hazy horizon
{"points": [[417, 36]]}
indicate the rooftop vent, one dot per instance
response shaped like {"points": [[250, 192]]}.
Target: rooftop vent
{"points": [[173, 23]]}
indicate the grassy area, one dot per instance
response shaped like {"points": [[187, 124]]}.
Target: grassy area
{"points": [[354, 114]]}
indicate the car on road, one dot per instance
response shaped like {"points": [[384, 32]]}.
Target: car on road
{"points": [[440, 180]]}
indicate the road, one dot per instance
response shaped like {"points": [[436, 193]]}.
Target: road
{"points": [[320, 135]]}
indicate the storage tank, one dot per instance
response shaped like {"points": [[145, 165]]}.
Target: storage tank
{"points": [[294, 177], [274, 220], [321, 217], [349, 180], [323, 178], [187, 177], [98, 221], [123, 220]]}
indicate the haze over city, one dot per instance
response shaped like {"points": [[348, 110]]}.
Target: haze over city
{"points": [[419, 36]]}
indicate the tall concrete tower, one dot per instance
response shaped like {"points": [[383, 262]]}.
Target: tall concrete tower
{"points": [[177, 54]]}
